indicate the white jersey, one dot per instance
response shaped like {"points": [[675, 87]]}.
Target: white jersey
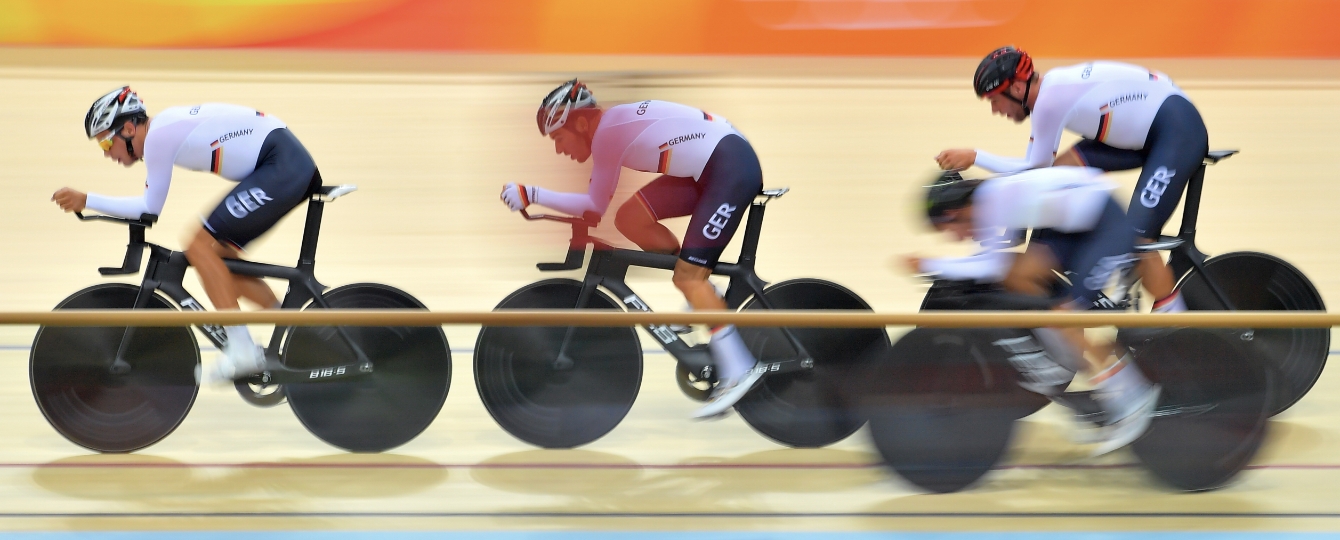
{"points": [[650, 136], [212, 137], [1064, 199], [1108, 102]]}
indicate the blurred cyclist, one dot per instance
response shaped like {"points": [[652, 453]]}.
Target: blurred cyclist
{"points": [[273, 172], [1077, 227], [1128, 117], [708, 171]]}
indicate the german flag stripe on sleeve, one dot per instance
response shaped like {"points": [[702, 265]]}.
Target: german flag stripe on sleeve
{"points": [[216, 160], [1104, 122], [664, 165], [707, 116]]}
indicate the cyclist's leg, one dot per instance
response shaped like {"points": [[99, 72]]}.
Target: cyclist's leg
{"points": [[1033, 271], [1090, 153], [638, 219], [284, 176], [248, 287], [1127, 397], [1176, 147], [729, 182], [206, 254]]}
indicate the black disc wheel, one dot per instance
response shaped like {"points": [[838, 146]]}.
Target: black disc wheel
{"points": [[1259, 282], [105, 412], [380, 410], [806, 408], [941, 406], [555, 402], [1213, 408]]}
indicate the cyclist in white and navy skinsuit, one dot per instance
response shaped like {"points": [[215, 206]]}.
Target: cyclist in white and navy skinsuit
{"points": [[1076, 227], [273, 174], [1128, 117], [708, 171]]}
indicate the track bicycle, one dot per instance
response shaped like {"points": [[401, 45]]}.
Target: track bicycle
{"points": [[121, 389], [943, 403], [1241, 281], [560, 387]]}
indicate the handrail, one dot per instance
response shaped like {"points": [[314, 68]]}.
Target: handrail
{"points": [[768, 318]]}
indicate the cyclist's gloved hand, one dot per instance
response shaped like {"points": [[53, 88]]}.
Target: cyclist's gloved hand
{"points": [[518, 196]]}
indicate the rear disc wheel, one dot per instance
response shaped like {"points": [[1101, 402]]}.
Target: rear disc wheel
{"points": [[806, 408], [375, 411], [1259, 282]]}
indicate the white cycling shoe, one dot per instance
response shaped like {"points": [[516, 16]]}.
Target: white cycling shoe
{"points": [[727, 394], [1129, 428], [235, 363]]}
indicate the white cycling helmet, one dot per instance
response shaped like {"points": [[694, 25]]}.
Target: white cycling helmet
{"points": [[554, 109], [117, 104]]}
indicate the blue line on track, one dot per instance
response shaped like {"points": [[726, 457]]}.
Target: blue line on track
{"points": [[658, 535]]}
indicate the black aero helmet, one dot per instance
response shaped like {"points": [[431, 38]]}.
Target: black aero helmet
{"points": [[949, 191], [1000, 68]]}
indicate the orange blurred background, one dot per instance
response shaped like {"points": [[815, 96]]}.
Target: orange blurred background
{"points": [[1070, 28]]}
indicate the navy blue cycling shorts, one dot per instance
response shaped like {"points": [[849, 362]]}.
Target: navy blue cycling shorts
{"points": [[1174, 149], [717, 200], [1091, 257], [284, 177]]}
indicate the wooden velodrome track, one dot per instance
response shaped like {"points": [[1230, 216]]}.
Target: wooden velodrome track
{"points": [[429, 140]]}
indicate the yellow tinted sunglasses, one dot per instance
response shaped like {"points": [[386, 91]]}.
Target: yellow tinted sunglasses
{"points": [[105, 143]]}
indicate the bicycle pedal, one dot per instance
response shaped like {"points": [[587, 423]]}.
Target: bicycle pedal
{"points": [[681, 329]]}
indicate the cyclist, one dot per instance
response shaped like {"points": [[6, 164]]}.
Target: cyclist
{"points": [[708, 171], [1128, 117], [273, 172], [1077, 227]]}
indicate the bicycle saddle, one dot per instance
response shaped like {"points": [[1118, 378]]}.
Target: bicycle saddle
{"points": [[330, 193], [1215, 156]]}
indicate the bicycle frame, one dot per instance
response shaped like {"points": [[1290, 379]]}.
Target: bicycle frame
{"points": [[167, 269], [1185, 256], [609, 265]]}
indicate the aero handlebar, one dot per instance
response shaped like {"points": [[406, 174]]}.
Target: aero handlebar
{"points": [[134, 249], [576, 246]]}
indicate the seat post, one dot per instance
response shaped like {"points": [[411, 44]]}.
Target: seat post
{"points": [[310, 232], [753, 226], [1191, 209]]}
